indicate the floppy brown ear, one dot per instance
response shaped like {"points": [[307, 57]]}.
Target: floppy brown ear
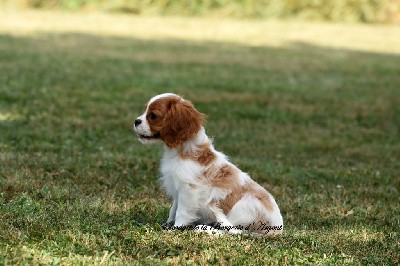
{"points": [[181, 123]]}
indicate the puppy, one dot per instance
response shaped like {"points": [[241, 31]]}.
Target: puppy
{"points": [[204, 186]]}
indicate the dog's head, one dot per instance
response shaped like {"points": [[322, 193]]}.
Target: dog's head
{"points": [[169, 118]]}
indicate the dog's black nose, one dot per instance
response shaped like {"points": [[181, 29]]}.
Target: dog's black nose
{"points": [[138, 122]]}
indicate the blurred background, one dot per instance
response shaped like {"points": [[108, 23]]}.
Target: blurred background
{"points": [[370, 11]]}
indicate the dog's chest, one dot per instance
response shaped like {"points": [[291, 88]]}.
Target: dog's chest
{"points": [[177, 173]]}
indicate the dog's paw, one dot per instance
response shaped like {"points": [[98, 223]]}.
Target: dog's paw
{"points": [[208, 229], [234, 231]]}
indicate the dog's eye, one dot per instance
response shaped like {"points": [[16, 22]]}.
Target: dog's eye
{"points": [[152, 116]]}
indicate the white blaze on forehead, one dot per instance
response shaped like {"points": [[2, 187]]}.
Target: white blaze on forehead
{"points": [[157, 97]]}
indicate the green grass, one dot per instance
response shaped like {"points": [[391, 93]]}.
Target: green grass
{"points": [[314, 116]]}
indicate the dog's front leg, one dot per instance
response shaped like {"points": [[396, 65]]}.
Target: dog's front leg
{"points": [[186, 209], [172, 212]]}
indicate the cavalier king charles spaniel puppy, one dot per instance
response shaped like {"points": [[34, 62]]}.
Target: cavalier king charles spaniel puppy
{"points": [[205, 187]]}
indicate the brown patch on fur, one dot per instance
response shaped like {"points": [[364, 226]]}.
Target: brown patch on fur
{"points": [[193, 186], [176, 120], [231, 199], [206, 155], [239, 191], [222, 176], [226, 176], [203, 155]]}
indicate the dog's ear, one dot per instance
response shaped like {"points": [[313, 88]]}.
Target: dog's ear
{"points": [[181, 122]]}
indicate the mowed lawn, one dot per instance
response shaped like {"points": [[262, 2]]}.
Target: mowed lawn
{"points": [[310, 111]]}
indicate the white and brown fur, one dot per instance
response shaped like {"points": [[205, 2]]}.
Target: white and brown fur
{"points": [[204, 186]]}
